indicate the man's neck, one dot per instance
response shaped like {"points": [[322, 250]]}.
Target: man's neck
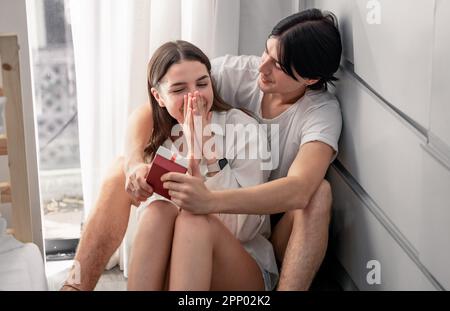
{"points": [[279, 99]]}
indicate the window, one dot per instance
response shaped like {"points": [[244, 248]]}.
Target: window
{"points": [[57, 125]]}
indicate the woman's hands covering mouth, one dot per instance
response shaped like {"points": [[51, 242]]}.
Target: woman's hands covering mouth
{"points": [[196, 118]]}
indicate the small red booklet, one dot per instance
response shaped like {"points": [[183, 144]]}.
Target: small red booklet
{"points": [[165, 161]]}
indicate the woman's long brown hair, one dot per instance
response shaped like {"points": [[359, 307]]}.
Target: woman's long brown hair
{"points": [[164, 57]]}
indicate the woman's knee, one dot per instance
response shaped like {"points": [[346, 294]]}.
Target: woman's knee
{"points": [[160, 211], [188, 223]]}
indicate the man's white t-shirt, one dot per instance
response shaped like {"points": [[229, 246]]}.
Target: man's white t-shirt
{"points": [[314, 117]]}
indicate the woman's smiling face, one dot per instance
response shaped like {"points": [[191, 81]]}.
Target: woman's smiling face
{"points": [[182, 78]]}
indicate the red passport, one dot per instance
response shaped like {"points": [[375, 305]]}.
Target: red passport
{"points": [[165, 161]]}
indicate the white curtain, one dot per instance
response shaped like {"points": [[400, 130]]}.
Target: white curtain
{"points": [[113, 41]]}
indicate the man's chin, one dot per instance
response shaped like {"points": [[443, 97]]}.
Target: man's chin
{"points": [[265, 88]]}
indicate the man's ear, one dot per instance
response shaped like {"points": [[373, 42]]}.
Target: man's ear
{"points": [[311, 81], [158, 97]]}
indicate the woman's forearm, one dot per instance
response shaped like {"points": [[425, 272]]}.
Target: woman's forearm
{"points": [[139, 129], [277, 196]]}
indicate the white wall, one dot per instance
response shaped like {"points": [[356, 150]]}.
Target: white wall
{"points": [[391, 178], [253, 32], [13, 19]]}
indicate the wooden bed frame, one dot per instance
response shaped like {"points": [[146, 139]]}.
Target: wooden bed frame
{"points": [[15, 191]]}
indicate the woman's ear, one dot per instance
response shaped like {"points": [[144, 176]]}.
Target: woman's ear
{"points": [[158, 97]]}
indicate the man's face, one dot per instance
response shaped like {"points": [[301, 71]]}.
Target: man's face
{"points": [[272, 78]]}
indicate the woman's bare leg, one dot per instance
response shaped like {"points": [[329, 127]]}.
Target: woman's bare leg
{"points": [[104, 229], [206, 256], [300, 240], [151, 248]]}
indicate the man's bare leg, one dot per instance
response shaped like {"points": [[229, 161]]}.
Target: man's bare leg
{"points": [[300, 240], [105, 228]]}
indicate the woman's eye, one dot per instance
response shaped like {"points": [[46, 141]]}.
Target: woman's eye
{"points": [[177, 91], [202, 84], [277, 65]]}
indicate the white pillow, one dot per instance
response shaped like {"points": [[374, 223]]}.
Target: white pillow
{"points": [[22, 269]]}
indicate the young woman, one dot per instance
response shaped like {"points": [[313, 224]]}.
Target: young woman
{"points": [[179, 250]]}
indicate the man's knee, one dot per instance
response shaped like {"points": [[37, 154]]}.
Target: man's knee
{"points": [[324, 193], [117, 167], [323, 202], [325, 189], [115, 173], [319, 205]]}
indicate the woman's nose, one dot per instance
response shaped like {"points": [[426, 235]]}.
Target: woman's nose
{"points": [[192, 90]]}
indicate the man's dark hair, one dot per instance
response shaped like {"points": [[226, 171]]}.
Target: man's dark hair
{"points": [[310, 45]]}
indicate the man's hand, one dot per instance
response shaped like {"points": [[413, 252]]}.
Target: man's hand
{"points": [[189, 192], [136, 184]]}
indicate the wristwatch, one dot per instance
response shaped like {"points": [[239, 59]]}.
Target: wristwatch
{"points": [[217, 166]]}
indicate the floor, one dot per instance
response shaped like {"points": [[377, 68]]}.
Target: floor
{"points": [[57, 271], [326, 277], [113, 280]]}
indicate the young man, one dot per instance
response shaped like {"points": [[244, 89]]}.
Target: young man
{"points": [[287, 87]]}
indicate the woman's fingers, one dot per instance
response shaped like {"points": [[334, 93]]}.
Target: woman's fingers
{"points": [[187, 108], [195, 120], [201, 107], [192, 130], [142, 192], [185, 105], [194, 105], [187, 122], [198, 128], [209, 117], [142, 185], [136, 184], [194, 168]]}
